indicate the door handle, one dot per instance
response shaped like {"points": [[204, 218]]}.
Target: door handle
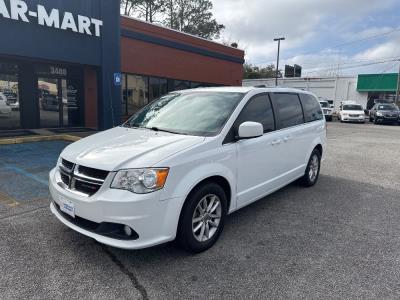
{"points": [[287, 138], [276, 142]]}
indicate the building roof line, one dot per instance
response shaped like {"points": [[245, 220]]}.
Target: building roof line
{"points": [[180, 32]]}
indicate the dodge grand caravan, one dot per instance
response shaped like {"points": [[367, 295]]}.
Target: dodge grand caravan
{"points": [[180, 165]]}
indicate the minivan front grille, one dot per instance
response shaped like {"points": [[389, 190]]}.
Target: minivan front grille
{"points": [[81, 179], [67, 164]]}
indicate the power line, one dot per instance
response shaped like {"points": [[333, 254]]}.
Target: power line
{"points": [[353, 66], [343, 44]]}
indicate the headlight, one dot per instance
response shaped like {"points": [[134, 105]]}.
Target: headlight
{"points": [[379, 114], [140, 181]]}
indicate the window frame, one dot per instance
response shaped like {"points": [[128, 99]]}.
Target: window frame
{"points": [[231, 136], [304, 115], [278, 127]]}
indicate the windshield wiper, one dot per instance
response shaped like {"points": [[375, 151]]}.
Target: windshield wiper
{"points": [[164, 130]]}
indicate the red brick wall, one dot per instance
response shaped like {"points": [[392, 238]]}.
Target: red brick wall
{"points": [[149, 59]]}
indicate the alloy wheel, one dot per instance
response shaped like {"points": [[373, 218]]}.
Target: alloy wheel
{"points": [[206, 217]]}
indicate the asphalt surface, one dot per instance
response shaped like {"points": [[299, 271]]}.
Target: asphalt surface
{"points": [[338, 239]]}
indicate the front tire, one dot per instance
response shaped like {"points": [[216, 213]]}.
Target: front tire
{"points": [[202, 218], [311, 174]]}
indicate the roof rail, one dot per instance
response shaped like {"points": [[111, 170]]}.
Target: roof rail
{"points": [[260, 86]]}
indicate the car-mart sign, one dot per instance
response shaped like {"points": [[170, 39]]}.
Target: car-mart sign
{"points": [[18, 10]]}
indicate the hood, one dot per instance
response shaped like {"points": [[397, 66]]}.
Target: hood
{"points": [[121, 147]]}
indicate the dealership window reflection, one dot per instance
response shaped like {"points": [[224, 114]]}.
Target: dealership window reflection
{"points": [[138, 90], [9, 97]]}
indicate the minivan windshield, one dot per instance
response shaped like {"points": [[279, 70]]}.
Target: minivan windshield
{"points": [[191, 113], [352, 107]]}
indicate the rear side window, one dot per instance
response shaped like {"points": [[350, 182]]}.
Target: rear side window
{"points": [[258, 109], [311, 107], [288, 109]]}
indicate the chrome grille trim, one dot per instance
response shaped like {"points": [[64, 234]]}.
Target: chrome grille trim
{"points": [[83, 177], [75, 176]]}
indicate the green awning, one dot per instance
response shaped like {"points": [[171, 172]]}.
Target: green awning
{"points": [[377, 82]]}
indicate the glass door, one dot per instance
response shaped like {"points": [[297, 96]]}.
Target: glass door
{"points": [[53, 102]]}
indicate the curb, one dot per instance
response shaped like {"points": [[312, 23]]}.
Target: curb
{"points": [[31, 139]]}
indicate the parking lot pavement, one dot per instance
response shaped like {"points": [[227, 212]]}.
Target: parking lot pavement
{"points": [[339, 239]]}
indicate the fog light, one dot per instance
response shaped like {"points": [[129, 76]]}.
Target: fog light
{"points": [[127, 230]]}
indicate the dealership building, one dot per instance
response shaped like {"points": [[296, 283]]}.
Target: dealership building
{"points": [[70, 64], [363, 89]]}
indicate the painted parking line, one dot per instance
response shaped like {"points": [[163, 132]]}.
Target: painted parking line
{"points": [[27, 174], [8, 200]]}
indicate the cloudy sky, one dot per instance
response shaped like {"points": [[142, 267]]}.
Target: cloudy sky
{"points": [[324, 36]]}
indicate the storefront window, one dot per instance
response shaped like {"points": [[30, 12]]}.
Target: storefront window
{"points": [[124, 108], [158, 87], [181, 85], [137, 92], [9, 97]]}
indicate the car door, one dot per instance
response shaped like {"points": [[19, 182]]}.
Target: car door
{"points": [[295, 134], [258, 159]]}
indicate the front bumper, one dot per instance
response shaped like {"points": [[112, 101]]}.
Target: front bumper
{"points": [[153, 217], [353, 119], [387, 119]]}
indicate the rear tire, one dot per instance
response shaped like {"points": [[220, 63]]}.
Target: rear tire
{"points": [[202, 218], [311, 174]]}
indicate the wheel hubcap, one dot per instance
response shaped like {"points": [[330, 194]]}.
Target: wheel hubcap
{"points": [[206, 217], [314, 164]]}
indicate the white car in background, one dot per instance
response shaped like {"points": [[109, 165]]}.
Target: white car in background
{"points": [[4, 108], [326, 109], [351, 113]]}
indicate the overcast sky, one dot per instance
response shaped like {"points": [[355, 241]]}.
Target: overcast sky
{"points": [[320, 34]]}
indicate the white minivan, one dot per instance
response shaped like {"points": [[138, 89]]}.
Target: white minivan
{"points": [[185, 161]]}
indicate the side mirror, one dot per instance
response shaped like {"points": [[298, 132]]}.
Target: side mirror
{"points": [[249, 130]]}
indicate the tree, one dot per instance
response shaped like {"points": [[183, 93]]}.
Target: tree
{"points": [[254, 72], [127, 6], [194, 17], [190, 16], [144, 9]]}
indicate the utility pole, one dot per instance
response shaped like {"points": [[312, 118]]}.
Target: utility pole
{"points": [[277, 58], [398, 88]]}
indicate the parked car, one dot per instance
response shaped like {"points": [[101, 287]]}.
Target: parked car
{"points": [[182, 163], [351, 113], [50, 102], [331, 104], [12, 99], [384, 113], [327, 110], [4, 107]]}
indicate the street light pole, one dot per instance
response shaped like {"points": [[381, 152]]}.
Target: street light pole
{"points": [[277, 58], [396, 101]]}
